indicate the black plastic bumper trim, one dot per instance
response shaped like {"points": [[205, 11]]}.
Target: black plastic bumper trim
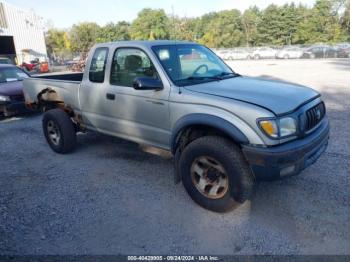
{"points": [[267, 163]]}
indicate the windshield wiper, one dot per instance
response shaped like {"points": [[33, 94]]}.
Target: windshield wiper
{"points": [[223, 74], [202, 78], [218, 77]]}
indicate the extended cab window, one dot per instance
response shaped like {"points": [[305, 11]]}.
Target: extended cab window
{"points": [[130, 63], [98, 65]]}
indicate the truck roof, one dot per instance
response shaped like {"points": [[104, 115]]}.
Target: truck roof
{"points": [[144, 43]]}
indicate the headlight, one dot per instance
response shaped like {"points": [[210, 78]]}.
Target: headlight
{"points": [[279, 127], [287, 126], [4, 98]]}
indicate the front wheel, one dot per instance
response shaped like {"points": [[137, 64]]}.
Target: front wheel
{"points": [[215, 174], [59, 131]]}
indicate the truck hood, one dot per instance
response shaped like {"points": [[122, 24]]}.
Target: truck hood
{"points": [[11, 88], [276, 96]]}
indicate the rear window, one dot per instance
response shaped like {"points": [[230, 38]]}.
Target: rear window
{"points": [[98, 65]]}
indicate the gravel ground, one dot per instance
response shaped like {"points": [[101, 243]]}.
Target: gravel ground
{"points": [[111, 197]]}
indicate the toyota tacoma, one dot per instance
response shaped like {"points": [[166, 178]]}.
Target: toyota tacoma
{"points": [[226, 131]]}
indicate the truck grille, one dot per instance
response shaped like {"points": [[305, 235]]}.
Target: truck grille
{"points": [[314, 115], [17, 98]]}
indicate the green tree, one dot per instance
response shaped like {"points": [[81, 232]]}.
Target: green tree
{"points": [[270, 27], [250, 21], [150, 23], [114, 32], [83, 36], [224, 30], [321, 24], [182, 28], [57, 42], [327, 21], [202, 24], [345, 21]]}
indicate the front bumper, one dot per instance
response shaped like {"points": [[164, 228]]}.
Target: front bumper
{"points": [[270, 163]]}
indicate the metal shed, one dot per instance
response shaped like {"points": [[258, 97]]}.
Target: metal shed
{"points": [[21, 30]]}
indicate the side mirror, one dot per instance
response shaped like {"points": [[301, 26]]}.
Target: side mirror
{"points": [[147, 83]]}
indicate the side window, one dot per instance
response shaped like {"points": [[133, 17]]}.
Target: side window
{"points": [[129, 63], [98, 65]]}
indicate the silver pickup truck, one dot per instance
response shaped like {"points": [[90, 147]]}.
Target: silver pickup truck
{"points": [[226, 131]]}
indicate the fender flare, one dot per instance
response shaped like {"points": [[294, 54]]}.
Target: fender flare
{"points": [[205, 119]]}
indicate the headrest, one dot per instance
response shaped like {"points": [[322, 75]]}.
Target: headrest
{"points": [[133, 62]]}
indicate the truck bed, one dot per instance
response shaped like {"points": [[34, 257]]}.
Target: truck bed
{"points": [[63, 88], [76, 77]]}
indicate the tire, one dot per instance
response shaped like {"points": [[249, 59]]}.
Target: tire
{"points": [[239, 179], [59, 131], [286, 57], [256, 57]]}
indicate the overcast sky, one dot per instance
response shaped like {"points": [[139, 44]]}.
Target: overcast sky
{"points": [[64, 13]]}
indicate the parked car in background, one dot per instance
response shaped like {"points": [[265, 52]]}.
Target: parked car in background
{"points": [[342, 46], [35, 66], [5, 61], [289, 52], [31, 66], [237, 54], [220, 52], [11, 90], [264, 52], [343, 52], [321, 51]]}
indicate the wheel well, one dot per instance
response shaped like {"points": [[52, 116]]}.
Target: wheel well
{"points": [[193, 132], [49, 99]]}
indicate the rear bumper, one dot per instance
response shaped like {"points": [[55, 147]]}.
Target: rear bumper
{"points": [[288, 159]]}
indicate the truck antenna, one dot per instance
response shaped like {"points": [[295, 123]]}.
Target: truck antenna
{"points": [[173, 17]]}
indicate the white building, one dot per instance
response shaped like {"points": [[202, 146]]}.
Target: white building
{"points": [[21, 34]]}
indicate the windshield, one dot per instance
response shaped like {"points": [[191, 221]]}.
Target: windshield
{"points": [[191, 64], [9, 74]]}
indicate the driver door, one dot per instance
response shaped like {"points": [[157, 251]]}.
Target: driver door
{"points": [[143, 115]]}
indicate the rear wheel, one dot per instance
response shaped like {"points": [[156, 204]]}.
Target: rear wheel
{"points": [[59, 131], [215, 174], [256, 57]]}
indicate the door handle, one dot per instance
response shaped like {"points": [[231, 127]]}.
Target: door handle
{"points": [[110, 96]]}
